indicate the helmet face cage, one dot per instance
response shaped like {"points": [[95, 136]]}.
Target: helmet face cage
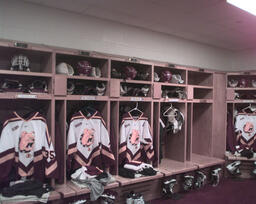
{"points": [[38, 86], [20, 63]]}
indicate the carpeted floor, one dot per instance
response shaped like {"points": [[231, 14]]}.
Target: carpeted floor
{"points": [[229, 191]]}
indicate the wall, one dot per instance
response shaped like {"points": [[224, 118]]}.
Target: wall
{"points": [[244, 60], [33, 23]]}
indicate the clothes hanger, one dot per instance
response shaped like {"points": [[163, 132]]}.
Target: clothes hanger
{"points": [[135, 109], [165, 113], [252, 108]]}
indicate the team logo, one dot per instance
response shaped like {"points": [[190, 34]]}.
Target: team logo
{"points": [[134, 138], [26, 141], [248, 128], [87, 138]]}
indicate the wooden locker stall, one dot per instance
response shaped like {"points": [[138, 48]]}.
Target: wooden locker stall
{"points": [[199, 144]]}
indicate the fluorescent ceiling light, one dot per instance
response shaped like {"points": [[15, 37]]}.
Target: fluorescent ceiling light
{"points": [[247, 5]]}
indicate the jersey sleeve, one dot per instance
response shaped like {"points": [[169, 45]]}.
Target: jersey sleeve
{"points": [[7, 153], [147, 141], [107, 155], [49, 155], [71, 145], [122, 144]]}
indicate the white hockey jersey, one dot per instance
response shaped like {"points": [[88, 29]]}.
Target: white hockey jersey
{"points": [[88, 142], [245, 128], [26, 145], [136, 143]]}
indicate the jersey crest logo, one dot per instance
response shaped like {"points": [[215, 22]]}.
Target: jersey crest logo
{"points": [[134, 138], [87, 137], [26, 141], [248, 128]]}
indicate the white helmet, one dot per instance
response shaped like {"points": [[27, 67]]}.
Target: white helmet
{"points": [[156, 77], [64, 68], [20, 63], [176, 78], [96, 72]]}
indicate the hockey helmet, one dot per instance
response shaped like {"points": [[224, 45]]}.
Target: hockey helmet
{"points": [[233, 83], [176, 78], [156, 77], [20, 63], [96, 72], [84, 68], [100, 88], [115, 73], [123, 90], [39, 86], [166, 76], [64, 68], [130, 72], [253, 83], [143, 75], [145, 90], [176, 119], [70, 87], [11, 85], [243, 83]]}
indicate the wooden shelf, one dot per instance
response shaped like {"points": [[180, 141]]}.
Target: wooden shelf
{"points": [[171, 167], [233, 157], [54, 195], [88, 78], [134, 98], [200, 101], [81, 191], [170, 84], [18, 95], [167, 100], [201, 87], [242, 101], [21, 73], [65, 190], [87, 97], [135, 81], [128, 181], [242, 89], [248, 73], [205, 161]]}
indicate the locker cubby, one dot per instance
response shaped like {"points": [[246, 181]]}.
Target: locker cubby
{"points": [[26, 109], [201, 93], [181, 72], [202, 129], [133, 89], [27, 83], [144, 71], [174, 92], [190, 149], [245, 94], [93, 61], [200, 78], [173, 145], [87, 87], [39, 61], [241, 81]]}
